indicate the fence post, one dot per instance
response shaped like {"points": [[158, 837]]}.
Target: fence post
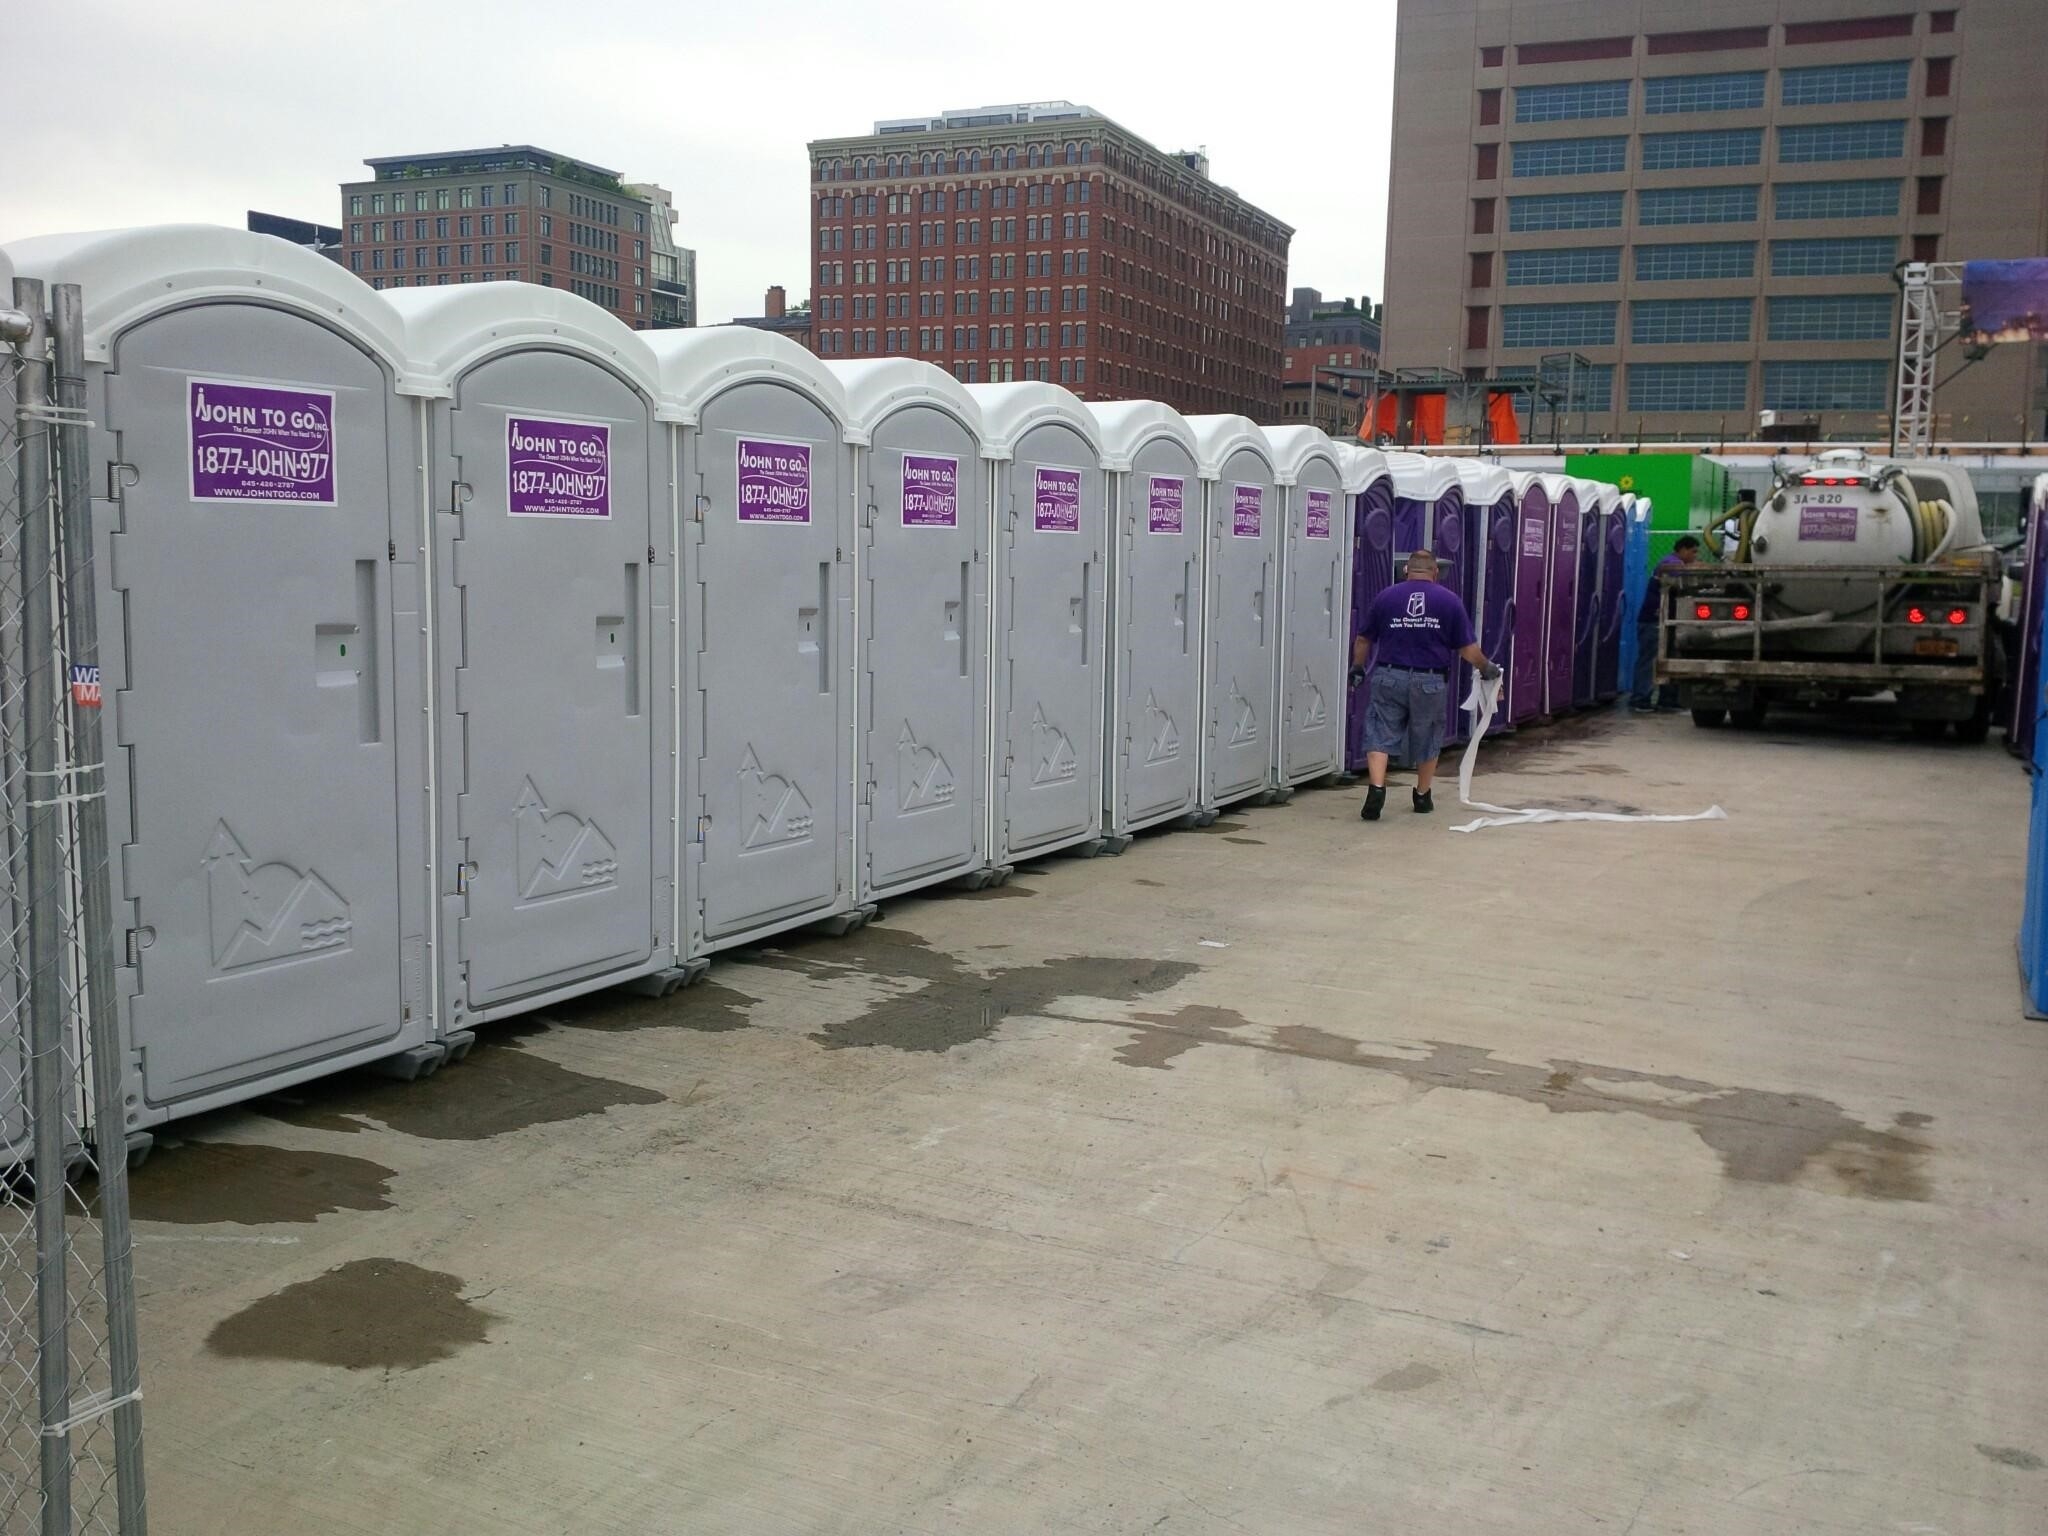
{"points": [[88, 784], [46, 1010]]}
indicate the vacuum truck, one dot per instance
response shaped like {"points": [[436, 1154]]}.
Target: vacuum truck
{"points": [[1854, 578]]}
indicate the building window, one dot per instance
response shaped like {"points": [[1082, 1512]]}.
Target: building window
{"points": [[1668, 322], [1572, 264], [1482, 215], [1831, 317], [1825, 84], [1843, 385], [1933, 135], [1492, 58], [1688, 386], [468, 197], [1488, 166], [512, 250], [1928, 196], [1809, 143], [1835, 200], [355, 205], [1717, 40], [1941, 21], [462, 227], [1844, 256], [1740, 91], [1558, 325], [1575, 51], [1561, 210], [1482, 270], [1478, 321], [1566, 103], [1570, 157], [355, 234], [1853, 30], [1938, 73], [1702, 149], [355, 261], [1927, 247], [1489, 107], [1696, 205], [1697, 262]]}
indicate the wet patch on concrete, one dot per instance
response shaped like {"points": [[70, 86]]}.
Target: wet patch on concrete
{"points": [[1412, 1377], [2012, 1456], [204, 1182], [369, 1314], [1157, 885], [705, 1006], [1009, 890], [1247, 842], [1221, 826], [1760, 1137], [944, 1003], [502, 1087], [1533, 743]]}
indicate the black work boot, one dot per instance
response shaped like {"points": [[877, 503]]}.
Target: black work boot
{"points": [[1423, 804], [1375, 797]]}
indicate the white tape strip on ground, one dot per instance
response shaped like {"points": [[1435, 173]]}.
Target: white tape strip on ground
{"points": [[1483, 700]]}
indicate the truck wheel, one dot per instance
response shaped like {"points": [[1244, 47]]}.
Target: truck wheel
{"points": [[1750, 718], [1973, 730], [1708, 719], [1928, 730]]}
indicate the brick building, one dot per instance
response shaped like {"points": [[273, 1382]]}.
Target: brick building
{"points": [[1701, 207], [778, 316], [1327, 341], [510, 214], [1045, 241]]}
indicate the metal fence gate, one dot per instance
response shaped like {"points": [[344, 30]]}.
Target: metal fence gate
{"points": [[70, 1385]]}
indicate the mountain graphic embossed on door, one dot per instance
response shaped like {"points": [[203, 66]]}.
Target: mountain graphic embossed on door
{"points": [[267, 914], [1054, 753], [924, 782], [773, 810], [559, 853], [1162, 737]]}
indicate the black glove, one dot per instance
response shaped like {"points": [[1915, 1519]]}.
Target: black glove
{"points": [[1357, 676], [1488, 671]]}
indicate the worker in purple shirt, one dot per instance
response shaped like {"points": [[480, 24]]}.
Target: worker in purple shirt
{"points": [[1644, 699], [1418, 627]]}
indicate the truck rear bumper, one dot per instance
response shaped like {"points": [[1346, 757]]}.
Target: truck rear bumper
{"points": [[1739, 671]]}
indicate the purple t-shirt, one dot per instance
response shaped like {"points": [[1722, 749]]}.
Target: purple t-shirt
{"points": [[1653, 595], [1418, 624]]}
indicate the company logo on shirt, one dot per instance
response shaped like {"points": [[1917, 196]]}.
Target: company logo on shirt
{"points": [[1415, 605]]}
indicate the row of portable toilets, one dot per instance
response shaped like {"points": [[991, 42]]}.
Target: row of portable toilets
{"points": [[466, 651]]}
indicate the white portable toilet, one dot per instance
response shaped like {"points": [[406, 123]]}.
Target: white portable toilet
{"points": [[257, 553], [758, 460], [1153, 768], [921, 626], [1051, 536], [1315, 640], [555, 861], [1240, 620]]}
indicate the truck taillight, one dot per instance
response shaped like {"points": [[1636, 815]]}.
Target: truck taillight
{"points": [[1742, 610], [1959, 615], [1916, 615], [1703, 612]]}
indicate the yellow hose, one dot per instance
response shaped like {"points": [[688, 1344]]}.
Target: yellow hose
{"points": [[1931, 523]]}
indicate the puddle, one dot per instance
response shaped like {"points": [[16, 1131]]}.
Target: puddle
{"points": [[1409, 1378], [1157, 885], [949, 1004], [1009, 890], [2012, 1456], [202, 1182], [705, 1006], [501, 1087], [1221, 826], [369, 1314], [1247, 842], [1760, 1137]]}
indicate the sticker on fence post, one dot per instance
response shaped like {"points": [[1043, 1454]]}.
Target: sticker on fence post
{"points": [[931, 491], [1056, 500], [556, 468], [258, 442], [85, 687], [1317, 515], [1247, 511], [774, 481], [1165, 504]]}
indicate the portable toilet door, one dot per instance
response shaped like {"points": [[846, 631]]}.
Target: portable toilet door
{"points": [[765, 517], [1051, 508], [1315, 639], [1529, 674], [1372, 572], [554, 729], [1613, 612], [1429, 513], [1561, 601], [1491, 516], [1240, 672], [1152, 769], [920, 626], [260, 587], [2026, 701], [1595, 499], [1635, 584]]}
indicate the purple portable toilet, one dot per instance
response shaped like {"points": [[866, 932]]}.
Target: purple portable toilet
{"points": [[1527, 607], [1613, 606], [1372, 572], [1429, 513], [1597, 502], [1561, 594], [1492, 510], [2025, 706]]}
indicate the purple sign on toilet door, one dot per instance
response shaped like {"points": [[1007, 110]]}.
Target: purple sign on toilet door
{"points": [[1165, 504], [254, 442], [1056, 500], [931, 491], [1317, 514], [774, 481], [1247, 508], [557, 468]]}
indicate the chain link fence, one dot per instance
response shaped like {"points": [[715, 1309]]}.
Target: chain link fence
{"points": [[70, 1386]]}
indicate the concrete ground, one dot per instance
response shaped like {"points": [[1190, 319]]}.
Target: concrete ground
{"points": [[1297, 1177]]}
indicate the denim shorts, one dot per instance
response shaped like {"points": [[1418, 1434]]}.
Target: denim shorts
{"points": [[1406, 717]]}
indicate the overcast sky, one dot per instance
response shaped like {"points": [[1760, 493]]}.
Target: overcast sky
{"points": [[136, 112]]}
